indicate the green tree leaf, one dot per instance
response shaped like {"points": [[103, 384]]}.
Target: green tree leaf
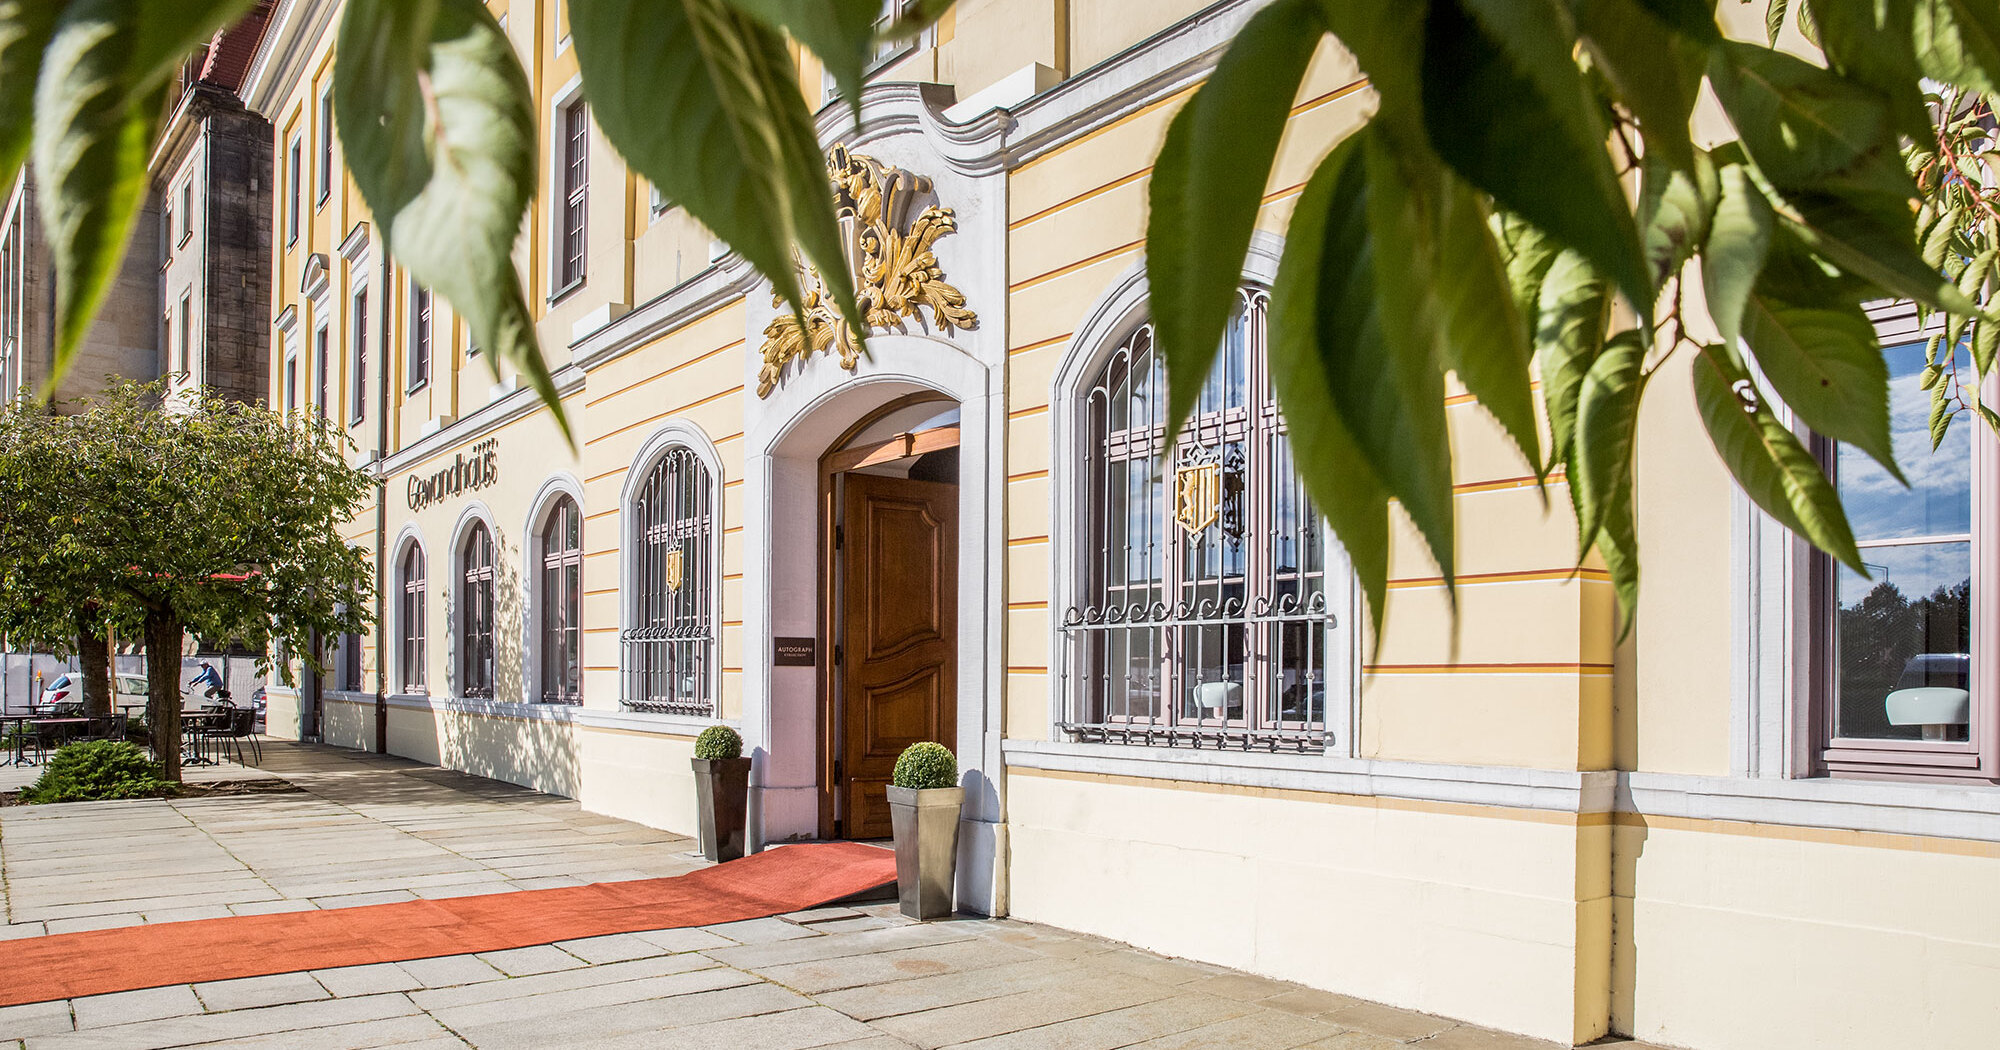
{"points": [[90, 149], [1655, 70], [1872, 43], [1774, 20], [840, 32], [1958, 42], [1343, 486], [1574, 310], [25, 27], [1528, 253], [1607, 430], [1208, 184], [1767, 460], [1800, 123], [1675, 206], [703, 101], [450, 190], [1376, 334], [1825, 362], [1484, 338], [1736, 249], [1500, 85]]}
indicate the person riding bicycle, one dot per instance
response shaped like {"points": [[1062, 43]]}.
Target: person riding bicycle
{"points": [[212, 680]]}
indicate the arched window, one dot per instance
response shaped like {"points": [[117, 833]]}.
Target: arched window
{"points": [[475, 611], [410, 618], [670, 641], [1200, 611], [562, 603]]}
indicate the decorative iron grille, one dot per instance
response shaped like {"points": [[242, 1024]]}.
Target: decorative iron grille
{"points": [[1201, 616], [670, 645]]}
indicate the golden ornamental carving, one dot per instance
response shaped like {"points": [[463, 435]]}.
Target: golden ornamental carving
{"points": [[1198, 496], [889, 253]]}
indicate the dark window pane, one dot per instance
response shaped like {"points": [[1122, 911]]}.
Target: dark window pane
{"points": [[1901, 644]]}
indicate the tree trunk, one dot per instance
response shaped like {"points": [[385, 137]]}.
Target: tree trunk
{"points": [[94, 652], [163, 690]]}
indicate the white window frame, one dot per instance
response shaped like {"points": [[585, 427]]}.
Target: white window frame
{"points": [[357, 352], [323, 163], [294, 160], [1117, 313], [570, 93], [421, 356], [668, 436], [408, 679], [556, 485]]}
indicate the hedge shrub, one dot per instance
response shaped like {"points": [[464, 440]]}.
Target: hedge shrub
{"points": [[926, 765], [718, 742], [98, 769]]}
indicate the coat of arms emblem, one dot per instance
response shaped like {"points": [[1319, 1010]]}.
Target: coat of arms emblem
{"points": [[1197, 496], [673, 564]]}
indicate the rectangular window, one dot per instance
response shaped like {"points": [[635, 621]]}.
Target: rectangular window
{"points": [[420, 336], [325, 144], [1899, 680], [322, 350], [412, 613], [184, 361], [575, 190], [359, 410], [291, 385], [187, 210], [292, 161]]}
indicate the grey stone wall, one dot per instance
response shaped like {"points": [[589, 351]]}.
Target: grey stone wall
{"points": [[238, 253]]}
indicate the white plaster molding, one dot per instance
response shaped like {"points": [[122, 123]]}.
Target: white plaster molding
{"points": [[315, 277], [287, 320], [1961, 811], [668, 435], [570, 91], [973, 148], [470, 428], [474, 512], [730, 279], [1006, 93], [1562, 791], [564, 714], [1172, 59], [294, 29], [354, 249]]}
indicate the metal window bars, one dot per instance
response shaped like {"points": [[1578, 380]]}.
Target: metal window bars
{"points": [[476, 578], [669, 646], [562, 604], [1202, 617]]}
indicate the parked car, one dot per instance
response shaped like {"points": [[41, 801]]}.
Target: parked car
{"points": [[127, 689]]}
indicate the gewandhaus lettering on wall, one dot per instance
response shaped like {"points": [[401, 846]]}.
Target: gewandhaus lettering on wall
{"points": [[1143, 644], [466, 473]]}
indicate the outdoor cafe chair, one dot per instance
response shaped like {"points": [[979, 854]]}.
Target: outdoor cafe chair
{"points": [[240, 725]]}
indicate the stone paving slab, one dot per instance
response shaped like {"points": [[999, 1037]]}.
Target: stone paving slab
{"points": [[369, 828]]}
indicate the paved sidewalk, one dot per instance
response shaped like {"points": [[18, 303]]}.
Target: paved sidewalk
{"points": [[368, 829]]}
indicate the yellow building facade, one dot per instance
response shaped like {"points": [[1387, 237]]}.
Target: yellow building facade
{"points": [[1146, 657]]}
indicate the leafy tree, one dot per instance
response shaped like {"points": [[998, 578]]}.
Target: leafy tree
{"points": [[1528, 196], [202, 514]]}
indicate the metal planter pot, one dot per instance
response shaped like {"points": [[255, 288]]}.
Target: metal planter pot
{"points": [[722, 792], [925, 822]]}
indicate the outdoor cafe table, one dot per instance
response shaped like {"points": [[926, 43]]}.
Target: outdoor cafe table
{"points": [[193, 725]]}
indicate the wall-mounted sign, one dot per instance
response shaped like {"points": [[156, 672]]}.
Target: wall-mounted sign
{"points": [[467, 472], [793, 652]]}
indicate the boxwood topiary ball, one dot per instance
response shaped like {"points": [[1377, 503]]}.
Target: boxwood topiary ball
{"points": [[926, 765], [718, 742]]}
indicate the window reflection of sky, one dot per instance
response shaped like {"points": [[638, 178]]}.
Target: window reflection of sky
{"points": [[1939, 499], [1916, 571]]}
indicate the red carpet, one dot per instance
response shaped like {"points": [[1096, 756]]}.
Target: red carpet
{"points": [[773, 882]]}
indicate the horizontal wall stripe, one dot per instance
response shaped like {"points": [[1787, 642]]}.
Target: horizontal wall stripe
{"points": [[1081, 197], [1113, 126], [1023, 541], [699, 359], [1031, 347], [1023, 413], [732, 391], [1592, 575], [1061, 271], [612, 473], [1027, 605], [1032, 475], [1026, 669], [1487, 668]]}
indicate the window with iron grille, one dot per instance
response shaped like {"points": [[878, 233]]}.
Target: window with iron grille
{"points": [[670, 643], [562, 604], [420, 336], [475, 610], [1201, 615], [575, 191], [410, 614]]}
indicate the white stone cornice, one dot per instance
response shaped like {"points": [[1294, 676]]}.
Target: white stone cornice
{"points": [[730, 278], [972, 148], [296, 26], [480, 422]]}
